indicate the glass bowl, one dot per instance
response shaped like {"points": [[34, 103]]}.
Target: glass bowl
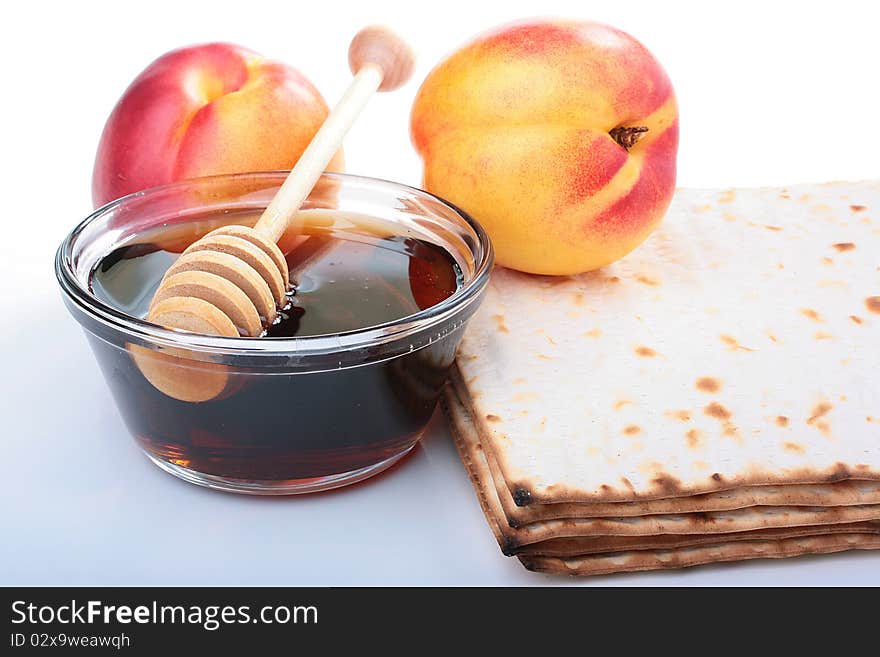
{"points": [[297, 414]]}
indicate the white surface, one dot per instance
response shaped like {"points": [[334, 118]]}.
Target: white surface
{"points": [[770, 93]]}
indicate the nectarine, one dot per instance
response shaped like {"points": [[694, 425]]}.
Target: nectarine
{"points": [[559, 137], [205, 110]]}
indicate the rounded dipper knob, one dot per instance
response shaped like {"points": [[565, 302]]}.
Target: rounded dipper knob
{"points": [[379, 47]]}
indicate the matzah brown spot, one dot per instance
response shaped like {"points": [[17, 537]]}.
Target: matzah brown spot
{"points": [[781, 421], [650, 467], [811, 314], [727, 196], [822, 335], [819, 411], [793, 447], [856, 319], [522, 497], [593, 333], [857, 208], [844, 246], [840, 473], [667, 483], [681, 415], [873, 304], [620, 403], [734, 344], [773, 228], [717, 411], [613, 279], [499, 321], [717, 477], [647, 352], [730, 430], [694, 437], [827, 261], [493, 418], [509, 547], [632, 429], [647, 280], [708, 384]]}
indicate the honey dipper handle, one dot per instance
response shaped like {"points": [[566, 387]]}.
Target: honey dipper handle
{"points": [[376, 56]]}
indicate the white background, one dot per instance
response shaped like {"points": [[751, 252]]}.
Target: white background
{"points": [[770, 93]]}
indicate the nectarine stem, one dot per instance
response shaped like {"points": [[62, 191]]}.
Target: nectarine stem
{"points": [[627, 137]]}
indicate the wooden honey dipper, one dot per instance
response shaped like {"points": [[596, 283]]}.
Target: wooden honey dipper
{"points": [[233, 281]]}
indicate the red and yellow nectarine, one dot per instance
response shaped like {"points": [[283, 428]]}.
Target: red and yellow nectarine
{"points": [[204, 110], [559, 137]]}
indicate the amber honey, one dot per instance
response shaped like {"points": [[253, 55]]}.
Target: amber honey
{"points": [[292, 426]]}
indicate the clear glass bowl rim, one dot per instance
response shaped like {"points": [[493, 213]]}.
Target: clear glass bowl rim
{"points": [[394, 331]]}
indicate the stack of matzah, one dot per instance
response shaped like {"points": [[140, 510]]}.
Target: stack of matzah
{"points": [[714, 396]]}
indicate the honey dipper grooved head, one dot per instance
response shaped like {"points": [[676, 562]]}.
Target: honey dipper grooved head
{"points": [[248, 253], [216, 290], [228, 283], [256, 238], [193, 315], [233, 270]]}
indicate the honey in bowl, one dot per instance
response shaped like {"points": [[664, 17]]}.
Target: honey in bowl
{"points": [[385, 278], [294, 426]]}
